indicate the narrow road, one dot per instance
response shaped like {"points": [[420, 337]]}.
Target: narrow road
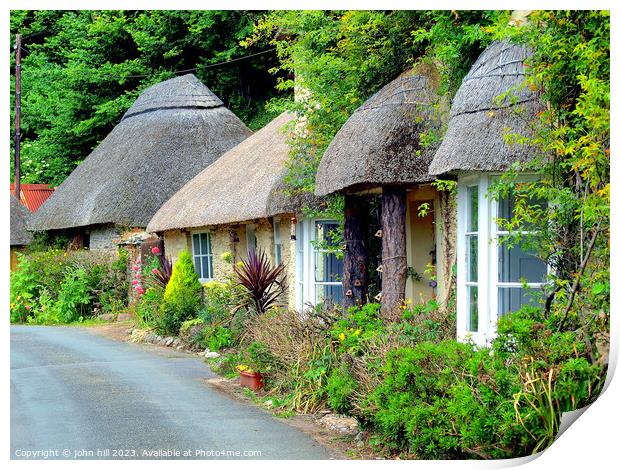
{"points": [[75, 394]]}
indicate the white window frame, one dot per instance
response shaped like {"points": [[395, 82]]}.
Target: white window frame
{"points": [[277, 241], [305, 263], [209, 255], [488, 260]]}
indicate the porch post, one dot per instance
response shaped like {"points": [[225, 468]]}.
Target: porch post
{"points": [[394, 251], [355, 274]]}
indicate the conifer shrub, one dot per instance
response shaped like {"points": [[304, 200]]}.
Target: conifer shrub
{"points": [[182, 297]]}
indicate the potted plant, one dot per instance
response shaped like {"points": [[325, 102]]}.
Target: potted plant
{"points": [[259, 362], [249, 378]]}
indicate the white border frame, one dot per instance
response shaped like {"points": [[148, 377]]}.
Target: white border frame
{"points": [[210, 233]]}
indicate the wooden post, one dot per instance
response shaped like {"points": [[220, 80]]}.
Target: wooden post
{"points": [[355, 275], [394, 254], [18, 108]]}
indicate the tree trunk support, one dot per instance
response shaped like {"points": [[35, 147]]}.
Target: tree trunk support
{"points": [[355, 275], [394, 251]]}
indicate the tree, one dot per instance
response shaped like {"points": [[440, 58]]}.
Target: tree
{"points": [[83, 69]]}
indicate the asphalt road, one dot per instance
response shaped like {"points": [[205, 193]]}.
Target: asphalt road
{"points": [[78, 395]]}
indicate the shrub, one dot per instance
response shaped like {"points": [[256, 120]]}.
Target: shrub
{"points": [[55, 286], [24, 290], [182, 297], [259, 357], [190, 326], [340, 390], [74, 298], [219, 301], [359, 324], [149, 309], [215, 337]]}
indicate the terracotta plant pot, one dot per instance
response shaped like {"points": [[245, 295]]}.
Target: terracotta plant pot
{"points": [[251, 380]]}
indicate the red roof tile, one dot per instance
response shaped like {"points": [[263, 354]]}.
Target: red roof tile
{"points": [[33, 195]]}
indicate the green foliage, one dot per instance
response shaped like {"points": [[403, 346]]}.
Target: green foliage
{"points": [[340, 388], [182, 297], [83, 69], [149, 310], [260, 358], [55, 286], [358, 325], [74, 297], [215, 337], [219, 300]]}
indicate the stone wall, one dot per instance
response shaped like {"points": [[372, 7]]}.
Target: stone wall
{"points": [[104, 237]]}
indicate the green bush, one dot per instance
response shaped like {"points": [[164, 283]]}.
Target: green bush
{"points": [[340, 389], [182, 297], [56, 287], [149, 310], [358, 325], [74, 298], [443, 401], [260, 358], [215, 337], [219, 301]]}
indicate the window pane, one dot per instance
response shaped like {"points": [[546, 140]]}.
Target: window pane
{"points": [[327, 267], [506, 208], [472, 303], [204, 244], [278, 253], [207, 266], [196, 243], [198, 266], [512, 299], [323, 231], [472, 203], [328, 293], [516, 265], [472, 258]]}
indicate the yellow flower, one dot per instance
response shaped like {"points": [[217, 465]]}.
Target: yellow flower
{"points": [[357, 332], [342, 336]]}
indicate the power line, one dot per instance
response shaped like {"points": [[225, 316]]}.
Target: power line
{"points": [[206, 66]]}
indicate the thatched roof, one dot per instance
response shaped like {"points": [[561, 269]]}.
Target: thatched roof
{"points": [[379, 143], [19, 216], [245, 184], [475, 139], [173, 131]]}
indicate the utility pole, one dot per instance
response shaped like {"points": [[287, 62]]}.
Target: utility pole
{"points": [[18, 109]]}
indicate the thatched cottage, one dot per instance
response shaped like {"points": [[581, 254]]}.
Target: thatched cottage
{"points": [[20, 237], [475, 150], [173, 131], [379, 151], [239, 203]]}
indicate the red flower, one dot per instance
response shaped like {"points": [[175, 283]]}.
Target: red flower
{"points": [[136, 267], [134, 282], [155, 271], [155, 250], [27, 307], [140, 290]]}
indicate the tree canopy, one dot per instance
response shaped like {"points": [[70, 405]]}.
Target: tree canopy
{"points": [[81, 70]]}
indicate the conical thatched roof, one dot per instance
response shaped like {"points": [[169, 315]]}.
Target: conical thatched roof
{"points": [[173, 131], [243, 185], [19, 216], [475, 139], [379, 143]]}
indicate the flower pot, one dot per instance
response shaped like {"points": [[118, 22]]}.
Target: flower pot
{"points": [[252, 380]]}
